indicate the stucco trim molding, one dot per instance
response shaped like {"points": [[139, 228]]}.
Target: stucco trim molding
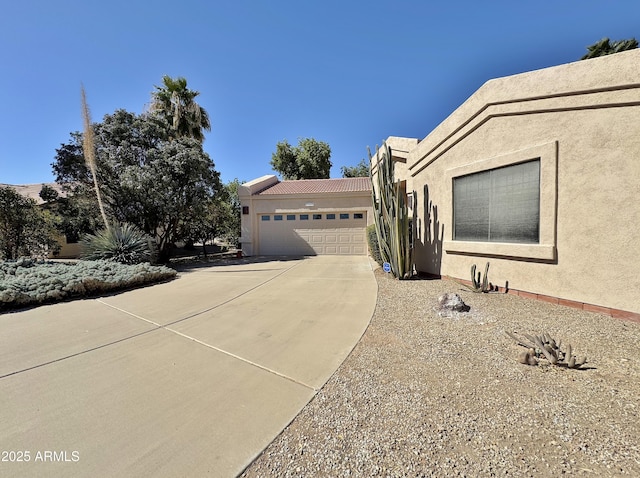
{"points": [[545, 250], [541, 252]]}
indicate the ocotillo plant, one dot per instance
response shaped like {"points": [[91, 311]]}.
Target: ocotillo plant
{"points": [[391, 214]]}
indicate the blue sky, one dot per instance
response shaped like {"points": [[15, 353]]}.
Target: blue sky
{"points": [[350, 73]]}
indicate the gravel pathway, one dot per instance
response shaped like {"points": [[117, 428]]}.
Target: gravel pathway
{"points": [[430, 395]]}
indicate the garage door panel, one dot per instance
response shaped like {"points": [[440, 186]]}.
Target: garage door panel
{"points": [[312, 236]]}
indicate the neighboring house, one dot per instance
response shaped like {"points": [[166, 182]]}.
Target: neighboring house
{"points": [[305, 217], [69, 247], [538, 174]]}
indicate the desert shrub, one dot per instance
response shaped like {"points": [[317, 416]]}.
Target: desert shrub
{"points": [[26, 282], [372, 240], [123, 243]]}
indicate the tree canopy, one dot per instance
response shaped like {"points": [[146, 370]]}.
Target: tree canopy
{"points": [[26, 229], [310, 159], [606, 47], [148, 177], [361, 170], [219, 218], [176, 104]]}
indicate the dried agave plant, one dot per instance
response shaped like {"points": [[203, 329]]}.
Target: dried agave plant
{"points": [[544, 346], [88, 149]]}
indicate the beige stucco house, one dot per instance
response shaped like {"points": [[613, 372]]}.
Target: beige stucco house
{"points": [[305, 217], [538, 174]]}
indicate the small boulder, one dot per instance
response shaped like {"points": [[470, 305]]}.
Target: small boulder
{"points": [[453, 302]]}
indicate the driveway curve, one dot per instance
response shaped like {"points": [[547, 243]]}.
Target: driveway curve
{"points": [[194, 377]]}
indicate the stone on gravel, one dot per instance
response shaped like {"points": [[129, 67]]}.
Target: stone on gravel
{"points": [[453, 302]]}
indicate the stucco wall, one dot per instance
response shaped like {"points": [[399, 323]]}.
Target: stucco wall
{"points": [[583, 119]]}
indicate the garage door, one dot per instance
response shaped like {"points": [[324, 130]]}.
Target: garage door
{"points": [[313, 234]]}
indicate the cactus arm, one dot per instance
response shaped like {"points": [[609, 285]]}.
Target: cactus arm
{"points": [[485, 282]]}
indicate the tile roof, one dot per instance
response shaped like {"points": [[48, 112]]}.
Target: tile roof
{"points": [[317, 186]]}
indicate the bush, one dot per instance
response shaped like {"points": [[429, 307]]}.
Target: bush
{"points": [[26, 282], [26, 229], [123, 243], [372, 239]]}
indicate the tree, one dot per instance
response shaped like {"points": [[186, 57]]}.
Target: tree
{"points": [[176, 104], [606, 47], [48, 194], [148, 178], [220, 218], [231, 219], [25, 228], [361, 170], [308, 160], [78, 210]]}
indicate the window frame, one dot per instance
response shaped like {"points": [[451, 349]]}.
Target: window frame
{"points": [[489, 223], [545, 249]]}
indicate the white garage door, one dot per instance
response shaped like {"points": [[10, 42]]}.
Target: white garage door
{"points": [[313, 234]]}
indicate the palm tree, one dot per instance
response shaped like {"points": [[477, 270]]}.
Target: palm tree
{"points": [[606, 47], [176, 103]]}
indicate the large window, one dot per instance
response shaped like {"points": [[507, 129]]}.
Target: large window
{"points": [[498, 205]]}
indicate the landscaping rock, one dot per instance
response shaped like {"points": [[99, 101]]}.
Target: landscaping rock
{"points": [[452, 302]]}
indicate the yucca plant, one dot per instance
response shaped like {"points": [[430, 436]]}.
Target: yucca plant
{"points": [[391, 214], [124, 243]]}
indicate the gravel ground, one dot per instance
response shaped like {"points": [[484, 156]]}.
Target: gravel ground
{"points": [[429, 395]]}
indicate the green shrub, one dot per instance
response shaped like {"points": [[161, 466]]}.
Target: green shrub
{"points": [[372, 239], [123, 243], [26, 282]]}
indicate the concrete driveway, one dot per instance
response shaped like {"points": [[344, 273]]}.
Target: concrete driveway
{"points": [[189, 378]]}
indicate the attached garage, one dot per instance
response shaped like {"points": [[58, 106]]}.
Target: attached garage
{"points": [[313, 234], [306, 217]]}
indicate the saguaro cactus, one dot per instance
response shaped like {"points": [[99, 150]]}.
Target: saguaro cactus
{"points": [[391, 214]]}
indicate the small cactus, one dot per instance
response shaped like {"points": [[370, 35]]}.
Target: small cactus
{"points": [[544, 346], [478, 283]]}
